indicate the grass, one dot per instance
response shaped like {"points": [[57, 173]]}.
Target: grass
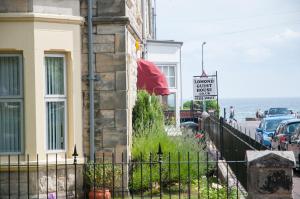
{"points": [[213, 192]]}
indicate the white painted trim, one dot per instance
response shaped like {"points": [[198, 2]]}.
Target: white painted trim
{"points": [[39, 17], [56, 98]]}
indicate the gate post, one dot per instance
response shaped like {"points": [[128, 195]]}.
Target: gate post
{"points": [[270, 174], [221, 137]]}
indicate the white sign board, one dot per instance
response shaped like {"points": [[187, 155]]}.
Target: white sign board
{"points": [[205, 87]]}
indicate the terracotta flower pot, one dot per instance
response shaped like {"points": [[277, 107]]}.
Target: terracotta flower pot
{"points": [[99, 194]]}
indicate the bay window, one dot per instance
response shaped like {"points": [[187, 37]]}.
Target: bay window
{"points": [[169, 72], [55, 67], [11, 103]]}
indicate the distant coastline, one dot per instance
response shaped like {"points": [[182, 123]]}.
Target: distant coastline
{"points": [[246, 107]]}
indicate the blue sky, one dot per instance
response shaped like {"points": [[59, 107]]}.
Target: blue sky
{"points": [[254, 44]]}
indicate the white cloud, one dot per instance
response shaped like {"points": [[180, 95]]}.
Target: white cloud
{"points": [[258, 54], [287, 35]]}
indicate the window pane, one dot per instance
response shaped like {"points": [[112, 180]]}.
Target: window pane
{"points": [[10, 127], [165, 70], [55, 75], [9, 76], [55, 125], [171, 101], [172, 71], [171, 81]]}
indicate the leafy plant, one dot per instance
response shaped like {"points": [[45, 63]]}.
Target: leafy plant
{"points": [[175, 149], [102, 175], [149, 132], [210, 105], [147, 113]]}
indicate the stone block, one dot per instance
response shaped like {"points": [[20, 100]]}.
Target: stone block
{"points": [[270, 174], [106, 82], [84, 13], [109, 62], [113, 100], [84, 63], [111, 7], [104, 118], [39, 185], [107, 100], [15, 6], [85, 29], [84, 4], [104, 39], [104, 48], [113, 137], [110, 29], [121, 118], [120, 42], [121, 80], [121, 100]]}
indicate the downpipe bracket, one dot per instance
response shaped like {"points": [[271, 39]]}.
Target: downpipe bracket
{"points": [[88, 77]]}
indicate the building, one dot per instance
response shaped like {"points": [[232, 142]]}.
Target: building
{"points": [[40, 91], [167, 56], [119, 29], [40, 56], [45, 58]]}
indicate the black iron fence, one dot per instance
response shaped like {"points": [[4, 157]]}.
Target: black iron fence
{"points": [[232, 144], [157, 175]]}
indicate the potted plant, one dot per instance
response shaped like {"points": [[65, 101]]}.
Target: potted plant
{"points": [[100, 178]]}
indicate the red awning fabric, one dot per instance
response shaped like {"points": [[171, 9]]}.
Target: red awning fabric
{"points": [[151, 79]]}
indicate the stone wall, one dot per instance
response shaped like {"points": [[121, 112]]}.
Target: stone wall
{"points": [[18, 181], [65, 7], [114, 40]]}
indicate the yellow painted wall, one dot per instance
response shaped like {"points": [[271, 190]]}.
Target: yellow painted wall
{"points": [[33, 39]]}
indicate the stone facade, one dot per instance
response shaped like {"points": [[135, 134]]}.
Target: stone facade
{"points": [[59, 7], [117, 29], [38, 188]]}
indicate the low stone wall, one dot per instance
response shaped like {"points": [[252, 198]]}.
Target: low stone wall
{"points": [[32, 181]]}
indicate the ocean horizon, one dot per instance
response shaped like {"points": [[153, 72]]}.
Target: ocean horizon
{"points": [[247, 107]]}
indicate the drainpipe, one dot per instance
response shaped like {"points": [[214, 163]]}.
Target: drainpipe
{"points": [[91, 79], [143, 27], [154, 20]]}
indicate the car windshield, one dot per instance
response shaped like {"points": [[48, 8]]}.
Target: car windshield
{"points": [[271, 125], [291, 128], [278, 111]]}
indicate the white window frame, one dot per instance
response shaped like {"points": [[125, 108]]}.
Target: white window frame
{"points": [[56, 98], [160, 66], [16, 98]]}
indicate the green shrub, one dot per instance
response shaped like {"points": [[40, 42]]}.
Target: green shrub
{"points": [[101, 175], [210, 105], [149, 132], [173, 147], [147, 113]]}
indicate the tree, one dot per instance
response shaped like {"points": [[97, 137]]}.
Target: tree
{"points": [[210, 105], [147, 113]]}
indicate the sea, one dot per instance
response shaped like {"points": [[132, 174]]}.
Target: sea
{"points": [[247, 107]]}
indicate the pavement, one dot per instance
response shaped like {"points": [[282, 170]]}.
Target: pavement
{"points": [[250, 127]]}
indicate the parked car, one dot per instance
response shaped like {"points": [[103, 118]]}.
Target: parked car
{"points": [[273, 112], [267, 127], [189, 126], [287, 137]]}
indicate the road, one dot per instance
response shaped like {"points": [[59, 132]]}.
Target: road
{"points": [[250, 127]]}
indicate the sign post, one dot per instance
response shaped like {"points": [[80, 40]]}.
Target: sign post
{"points": [[205, 87]]}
